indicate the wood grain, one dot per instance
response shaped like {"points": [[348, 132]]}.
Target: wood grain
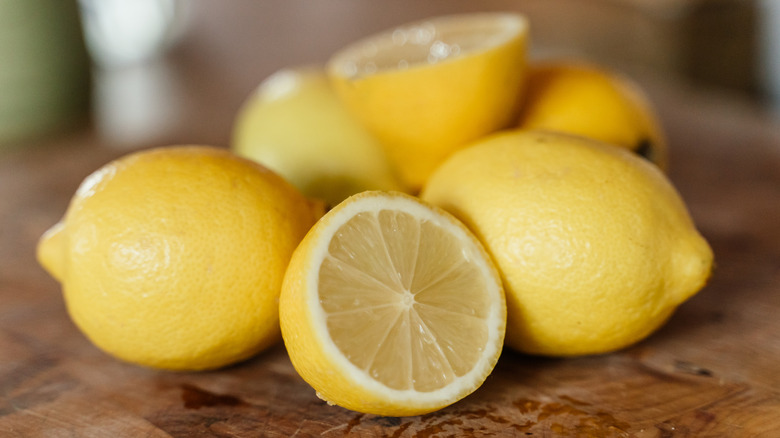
{"points": [[711, 371]]}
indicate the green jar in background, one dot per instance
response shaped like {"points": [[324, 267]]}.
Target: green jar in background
{"points": [[44, 69]]}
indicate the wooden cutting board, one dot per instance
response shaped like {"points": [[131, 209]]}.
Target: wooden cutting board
{"points": [[712, 370]]}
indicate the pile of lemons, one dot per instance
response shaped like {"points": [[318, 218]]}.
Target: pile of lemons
{"points": [[397, 217]]}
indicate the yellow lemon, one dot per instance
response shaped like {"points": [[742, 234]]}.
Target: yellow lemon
{"points": [[427, 88], [595, 246], [174, 257], [392, 307], [295, 125], [588, 100]]}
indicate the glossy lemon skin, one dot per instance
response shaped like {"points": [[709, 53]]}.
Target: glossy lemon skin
{"points": [[173, 257], [595, 246]]}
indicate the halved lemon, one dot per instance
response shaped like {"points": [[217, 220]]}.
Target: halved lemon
{"points": [[392, 307], [427, 88]]}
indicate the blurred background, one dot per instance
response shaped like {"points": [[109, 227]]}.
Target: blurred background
{"points": [[138, 71]]}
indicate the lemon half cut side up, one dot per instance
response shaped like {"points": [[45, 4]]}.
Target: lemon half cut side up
{"points": [[392, 307], [427, 88]]}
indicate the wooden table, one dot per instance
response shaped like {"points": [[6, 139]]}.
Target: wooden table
{"points": [[713, 370]]}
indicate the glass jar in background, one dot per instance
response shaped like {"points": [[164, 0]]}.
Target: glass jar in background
{"points": [[770, 50], [121, 33], [136, 96]]}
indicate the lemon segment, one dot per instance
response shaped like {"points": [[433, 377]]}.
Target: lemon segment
{"points": [[174, 257], [585, 99], [392, 307], [295, 125], [427, 88], [595, 246]]}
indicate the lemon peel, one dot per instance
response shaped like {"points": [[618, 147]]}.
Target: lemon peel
{"points": [[594, 244], [174, 257]]}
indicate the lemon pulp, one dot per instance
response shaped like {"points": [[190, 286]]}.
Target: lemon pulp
{"points": [[427, 42], [378, 301], [392, 307]]}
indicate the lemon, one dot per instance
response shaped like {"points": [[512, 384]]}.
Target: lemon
{"points": [[174, 257], [595, 246], [589, 100], [392, 307], [427, 88], [295, 125]]}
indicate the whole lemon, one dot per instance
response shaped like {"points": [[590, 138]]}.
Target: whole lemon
{"points": [[174, 257], [587, 99], [595, 246], [295, 125]]}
